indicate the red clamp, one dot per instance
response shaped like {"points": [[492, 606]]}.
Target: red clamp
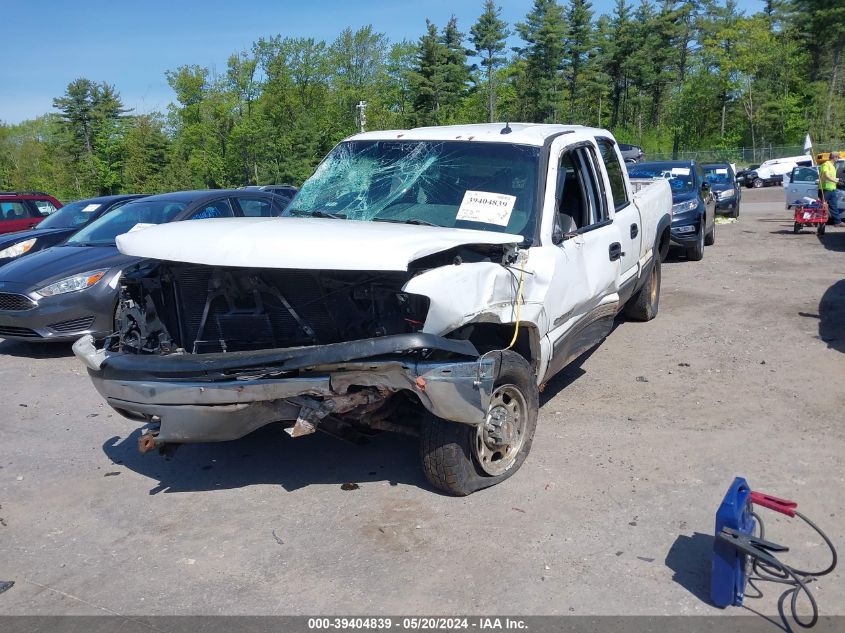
{"points": [[784, 506]]}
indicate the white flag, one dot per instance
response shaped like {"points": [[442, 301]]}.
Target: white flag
{"points": [[808, 145]]}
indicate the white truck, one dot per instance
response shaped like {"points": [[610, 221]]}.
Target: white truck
{"points": [[426, 281]]}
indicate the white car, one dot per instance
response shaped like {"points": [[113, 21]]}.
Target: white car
{"points": [[773, 171], [803, 182], [426, 281]]}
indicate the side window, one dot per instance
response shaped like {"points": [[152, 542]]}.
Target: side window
{"points": [[13, 211], [45, 207], [255, 207], [215, 209], [579, 199], [614, 173]]}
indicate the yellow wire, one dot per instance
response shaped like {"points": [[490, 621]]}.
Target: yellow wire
{"points": [[518, 305]]}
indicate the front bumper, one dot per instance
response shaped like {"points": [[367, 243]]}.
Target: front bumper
{"points": [[62, 317], [685, 239], [219, 397]]}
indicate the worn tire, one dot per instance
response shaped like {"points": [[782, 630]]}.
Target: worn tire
{"points": [[796, 228], [447, 448], [820, 230], [710, 237], [696, 253], [735, 213], [643, 306]]}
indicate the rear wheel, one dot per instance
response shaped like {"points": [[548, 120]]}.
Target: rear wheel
{"points": [[757, 183], [796, 228], [643, 306], [820, 230], [460, 458]]}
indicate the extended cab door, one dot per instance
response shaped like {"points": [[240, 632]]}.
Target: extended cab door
{"points": [[626, 216], [582, 300]]}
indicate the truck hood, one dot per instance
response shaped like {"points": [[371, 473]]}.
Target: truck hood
{"points": [[301, 243]]}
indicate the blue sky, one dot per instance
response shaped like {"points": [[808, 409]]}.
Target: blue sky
{"points": [[48, 43]]}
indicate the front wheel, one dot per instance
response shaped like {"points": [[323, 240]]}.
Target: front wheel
{"points": [[710, 237], [796, 228], [696, 253], [757, 183], [820, 230], [460, 458]]}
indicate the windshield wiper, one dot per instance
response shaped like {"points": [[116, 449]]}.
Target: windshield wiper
{"points": [[318, 214], [411, 221]]}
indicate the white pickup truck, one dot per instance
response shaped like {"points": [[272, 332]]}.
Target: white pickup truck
{"points": [[425, 281]]}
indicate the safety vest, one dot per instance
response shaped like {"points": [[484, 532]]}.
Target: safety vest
{"points": [[828, 169]]}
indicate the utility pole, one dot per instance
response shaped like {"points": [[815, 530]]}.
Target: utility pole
{"points": [[362, 115]]}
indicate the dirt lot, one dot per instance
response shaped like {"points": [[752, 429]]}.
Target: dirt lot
{"points": [[740, 374]]}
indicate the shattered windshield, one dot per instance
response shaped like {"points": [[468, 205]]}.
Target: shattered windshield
{"points": [[486, 186]]}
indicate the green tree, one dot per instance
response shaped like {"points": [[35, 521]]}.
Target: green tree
{"points": [[543, 32], [579, 43], [489, 36]]}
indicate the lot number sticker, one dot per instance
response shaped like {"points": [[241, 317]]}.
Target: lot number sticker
{"points": [[90, 208], [486, 207]]}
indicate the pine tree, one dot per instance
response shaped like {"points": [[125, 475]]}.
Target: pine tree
{"points": [[543, 32], [428, 77], [489, 36], [579, 44], [456, 73]]}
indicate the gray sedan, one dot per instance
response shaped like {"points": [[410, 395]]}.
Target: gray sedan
{"points": [[63, 292]]}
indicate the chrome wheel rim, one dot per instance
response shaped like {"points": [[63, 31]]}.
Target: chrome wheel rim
{"points": [[500, 438]]}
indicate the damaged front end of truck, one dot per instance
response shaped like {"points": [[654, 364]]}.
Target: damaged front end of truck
{"points": [[210, 353]]}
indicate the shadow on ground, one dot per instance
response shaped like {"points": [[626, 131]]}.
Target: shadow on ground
{"points": [[35, 350], [833, 240], [270, 456], [832, 316], [690, 558]]}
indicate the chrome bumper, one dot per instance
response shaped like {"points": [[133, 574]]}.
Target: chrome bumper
{"points": [[208, 411]]}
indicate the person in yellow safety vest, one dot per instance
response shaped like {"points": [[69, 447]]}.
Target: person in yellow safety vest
{"points": [[827, 183]]}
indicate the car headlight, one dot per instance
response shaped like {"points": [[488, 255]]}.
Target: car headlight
{"points": [[18, 249], [687, 205], [727, 193], [72, 284]]}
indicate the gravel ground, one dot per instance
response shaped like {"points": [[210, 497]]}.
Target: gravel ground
{"points": [[740, 374]]}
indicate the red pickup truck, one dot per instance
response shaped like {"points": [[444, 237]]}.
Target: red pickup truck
{"points": [[24, 209]]}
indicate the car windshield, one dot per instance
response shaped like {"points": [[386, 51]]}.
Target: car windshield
{"points": [[487, 186], [71, 215], [717, 174], [133, 215], [680, 178]]}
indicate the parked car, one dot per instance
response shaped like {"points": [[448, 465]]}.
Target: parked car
{"points": [[631, 153], [21, 210], [741, 175], [802, 182], [65, 291], [722, 180], [772, 171], [58, 226], [694, 205], [420, 273]]}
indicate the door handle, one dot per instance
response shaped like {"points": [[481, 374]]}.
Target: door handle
{"points": [[635, 230], [615, 251]]}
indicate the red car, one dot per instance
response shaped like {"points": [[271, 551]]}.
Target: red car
{"points": [[24, 209]]}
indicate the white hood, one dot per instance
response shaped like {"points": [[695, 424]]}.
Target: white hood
{"points": [[304, 243]]}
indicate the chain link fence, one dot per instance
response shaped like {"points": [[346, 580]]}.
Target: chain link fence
{"points": [[742, 156]]}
